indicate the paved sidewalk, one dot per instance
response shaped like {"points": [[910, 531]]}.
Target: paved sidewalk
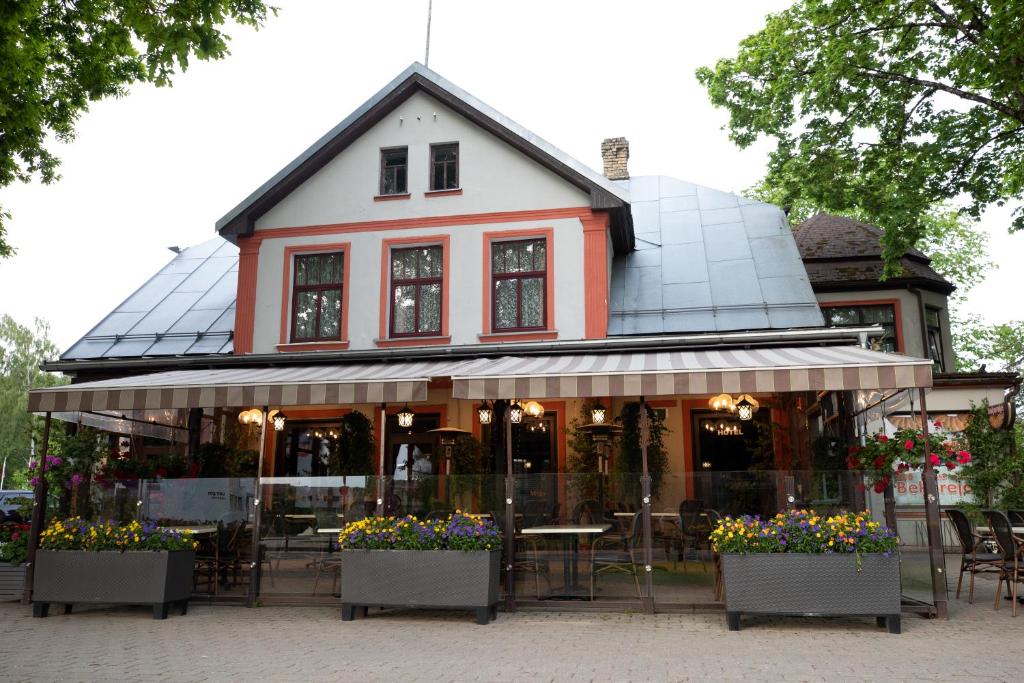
{"points": [[312, 644]]}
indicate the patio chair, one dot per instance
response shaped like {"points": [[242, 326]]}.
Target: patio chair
{"points": [[1011, 547], [971, 560], [693, 529], [526, 555], [613, 553]]}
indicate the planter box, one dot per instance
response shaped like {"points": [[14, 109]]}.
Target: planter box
{"points": [[812, 585], [420, 578], [110, 577], [12, 581]]}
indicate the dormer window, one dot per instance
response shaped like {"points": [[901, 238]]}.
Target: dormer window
{"points": [[444, 167], [394, 171]]}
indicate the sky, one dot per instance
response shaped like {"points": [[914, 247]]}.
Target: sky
{"points": [[157, 168]]}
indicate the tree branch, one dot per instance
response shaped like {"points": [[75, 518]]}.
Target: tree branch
{"points": [[872, 72]]}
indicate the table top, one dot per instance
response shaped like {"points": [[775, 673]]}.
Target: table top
{"points": [[653, 514], [567, 529], [1017, 530], [194, 530], [328, 530]]}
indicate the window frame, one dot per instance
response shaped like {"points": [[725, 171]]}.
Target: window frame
{"points": [[939, 362], [519, 276], [285, 342], [383, 167], [434, 148], [894, 304], [297, 289], [418, 282]]}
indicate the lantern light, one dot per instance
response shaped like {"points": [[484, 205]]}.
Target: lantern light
{"points": [[597, 414], [534, 409], [515, 412], [253, 416], [405, 417], [745, 409], [279, 419], [485, 413], [722, 402]]}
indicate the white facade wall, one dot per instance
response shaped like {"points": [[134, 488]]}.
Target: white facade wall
{"points": [[494, 177], [465, 281]]}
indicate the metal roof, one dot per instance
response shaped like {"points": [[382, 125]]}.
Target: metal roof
{"points": [[707, 260], [605, 194], [187, 308]]}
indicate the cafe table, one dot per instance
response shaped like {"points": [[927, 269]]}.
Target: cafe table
{"points": [[570, 537], [194, 530], [985, 531]]}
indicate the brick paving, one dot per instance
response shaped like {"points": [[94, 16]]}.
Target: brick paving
{"points": [[312, 644]]}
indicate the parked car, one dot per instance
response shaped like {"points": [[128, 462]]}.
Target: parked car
{"points": [[9, 503]]}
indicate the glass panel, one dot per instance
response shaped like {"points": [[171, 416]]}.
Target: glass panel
{"points": [[877, 314], [395, 157], [540, 255], [437, 183], [305, 315], [330, 268], [404, 309], [430, 308], [932, 316], [506, 304], [430, 264], [838, 317], [301, 276], [533, 302], [330, 313], [503, 256], [403, 264], [400, 180], [525, 257]]}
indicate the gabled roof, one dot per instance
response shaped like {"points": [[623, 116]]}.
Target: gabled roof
{"points": [[188, 308], [842, 253], [604, 193], [709, 261]]}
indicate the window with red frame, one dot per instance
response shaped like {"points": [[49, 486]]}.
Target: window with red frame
{"points": [[519, 285], [316, 297], [416, 296]]}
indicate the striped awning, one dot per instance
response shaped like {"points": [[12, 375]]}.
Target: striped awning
{"points": [[244, 387], [668, 373]]}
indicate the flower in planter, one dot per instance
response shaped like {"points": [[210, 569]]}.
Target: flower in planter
{"points": [[882, 455], [458, 531], [13, 543], [804, 531], [77, 534]]}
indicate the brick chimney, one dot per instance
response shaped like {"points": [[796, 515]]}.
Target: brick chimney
{"points": [[615, 154]]}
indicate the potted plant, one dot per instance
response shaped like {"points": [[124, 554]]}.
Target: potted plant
{"points": [[101, 562], [13, 549], [407, 562], [799, 563], [882, 455]]}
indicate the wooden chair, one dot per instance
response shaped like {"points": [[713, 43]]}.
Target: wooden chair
{"points": [[971, 560], [1011, 547], [612, 553], [526, 554]]}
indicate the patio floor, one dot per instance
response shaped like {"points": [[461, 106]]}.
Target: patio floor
{"points": [[311, 643]]}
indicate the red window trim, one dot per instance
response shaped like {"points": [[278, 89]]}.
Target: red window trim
{"points": [[897, 313], [418, 282], [487, 313], [384, 340], [287, 296], [519, 276]]}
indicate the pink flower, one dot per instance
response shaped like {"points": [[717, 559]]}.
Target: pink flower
{"points": [[963, 457], [32, 464], [937, 423], [935, 460], [15, 536], [34, 481], [950, 464], [909, 444], [883, 438]]}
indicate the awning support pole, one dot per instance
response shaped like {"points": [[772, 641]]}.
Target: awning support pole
{"points": [[933, 520], [257, 551], [382, 455], [645, 492], [38, 512], [510, 517]]}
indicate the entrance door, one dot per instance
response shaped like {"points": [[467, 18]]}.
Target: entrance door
{"points": [[413, 467], [732, 462]]}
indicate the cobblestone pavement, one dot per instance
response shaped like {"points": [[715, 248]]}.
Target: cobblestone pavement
{"points": [[312, 644]]}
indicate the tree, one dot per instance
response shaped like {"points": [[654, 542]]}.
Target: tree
{"points": [[884, 108], [58, 56], [21, 351], [1001, 345]]}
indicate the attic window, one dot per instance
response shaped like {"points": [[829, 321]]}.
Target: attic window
{"points": [[444, 167], [394, 171]]}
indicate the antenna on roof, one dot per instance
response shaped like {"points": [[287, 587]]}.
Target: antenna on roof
{"points": [[430, 10]]}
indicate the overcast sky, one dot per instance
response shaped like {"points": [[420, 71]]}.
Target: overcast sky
{"points": [[159, 167]]}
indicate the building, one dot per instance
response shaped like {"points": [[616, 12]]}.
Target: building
{"points": [[429, 263]]}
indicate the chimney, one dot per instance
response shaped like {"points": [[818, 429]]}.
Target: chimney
{"points": [[615, 154]]}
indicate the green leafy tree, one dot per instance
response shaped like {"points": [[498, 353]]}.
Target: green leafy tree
{"points": [[999, 346], [353, 453], [996, 471], [57, 56], [22, 349], [884, 108]]}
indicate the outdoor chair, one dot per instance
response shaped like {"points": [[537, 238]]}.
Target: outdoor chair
{"points": [[526, 555], [613, 553], [693, 529], [587, 512], [971, 560], [1011, 547]]}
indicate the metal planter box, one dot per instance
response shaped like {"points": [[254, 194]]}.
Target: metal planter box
{"points": [[812, 585], [157, 578], [12, 581], [420, 578]]}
